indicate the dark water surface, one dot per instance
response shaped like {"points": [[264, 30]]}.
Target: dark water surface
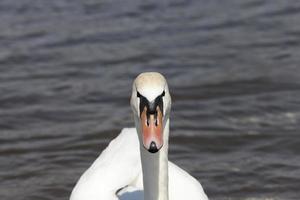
{"points": [[66, 69]]}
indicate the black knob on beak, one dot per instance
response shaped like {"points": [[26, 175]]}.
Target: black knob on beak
{"points": [[153, 148]]}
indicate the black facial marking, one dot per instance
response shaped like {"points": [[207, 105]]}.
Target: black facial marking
{"points": [[138, 94], [151, 106]]}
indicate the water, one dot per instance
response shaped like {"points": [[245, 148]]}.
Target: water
{"points": [[66, 69]]}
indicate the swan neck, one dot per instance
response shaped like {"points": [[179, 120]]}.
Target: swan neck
{"points": [[155, 170]]}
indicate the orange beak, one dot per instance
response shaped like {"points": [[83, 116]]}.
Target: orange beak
{"points": [[152, 130]]}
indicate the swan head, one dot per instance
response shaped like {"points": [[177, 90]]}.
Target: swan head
{"points": [[151, 103]]}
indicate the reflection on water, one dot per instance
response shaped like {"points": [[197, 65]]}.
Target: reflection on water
{"points": [[66, 73]]}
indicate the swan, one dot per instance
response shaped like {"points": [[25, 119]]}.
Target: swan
{"points": [[135, 164]]}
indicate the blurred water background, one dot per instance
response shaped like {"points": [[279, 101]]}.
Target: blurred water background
{"points": [[66, 69]]}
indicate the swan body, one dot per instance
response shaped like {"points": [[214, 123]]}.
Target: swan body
{"points": [[135, 164], [118, 168]]}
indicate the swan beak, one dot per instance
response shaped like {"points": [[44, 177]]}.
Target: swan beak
{"points": [[152, 130]]}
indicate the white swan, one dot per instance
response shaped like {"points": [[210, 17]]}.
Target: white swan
{"points": [[135, 164]]}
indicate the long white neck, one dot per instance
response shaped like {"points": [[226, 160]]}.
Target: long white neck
{"points": [[155, 170]]}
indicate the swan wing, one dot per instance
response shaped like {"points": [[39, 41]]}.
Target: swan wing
{"points": [[183, 186], [118, 166]]}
